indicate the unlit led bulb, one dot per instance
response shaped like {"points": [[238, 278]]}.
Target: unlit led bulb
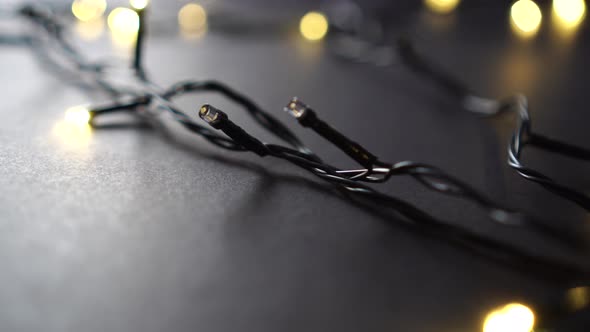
{"points": [[296, 108]]}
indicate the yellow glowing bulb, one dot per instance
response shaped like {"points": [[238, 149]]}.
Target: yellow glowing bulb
{"points": [[578, 298], [313, 26], [88, 10], [71, 137], [526, 17], [139, 4], [123, 21], [78, 115], [513, 317], [442, 6], [192, 17], [570, 12]]}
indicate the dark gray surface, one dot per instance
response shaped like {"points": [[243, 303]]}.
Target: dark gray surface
{"points": [[128, 230]]}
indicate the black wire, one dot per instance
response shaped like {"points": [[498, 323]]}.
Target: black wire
{"points": [[48, 22], [411, 213], [299, 156], [419, 64], [429, 176], [523, 134], [488, 107], [559, 147], [262, 117], [54, 29]]}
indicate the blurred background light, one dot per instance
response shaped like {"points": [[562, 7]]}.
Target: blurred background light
{"points": [[570, 13], [313, 26], [525, 18], [139, 4], [442, 6], [88, 10], [513, 317], [578, 298], [124, 24], [90, 30], [192, 17]]}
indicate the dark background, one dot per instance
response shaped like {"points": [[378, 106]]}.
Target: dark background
{"points": [[128, 229]]}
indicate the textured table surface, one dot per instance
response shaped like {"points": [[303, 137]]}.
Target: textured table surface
{"points": [[128, 229]]}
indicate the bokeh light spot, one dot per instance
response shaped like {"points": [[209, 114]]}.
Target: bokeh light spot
{"points": [[442, 6], [139, 4], [513, 317], [124, 25], [525, 17], [578, 298], [192, 17], [88, 10], [570, 13], [313, 26]]}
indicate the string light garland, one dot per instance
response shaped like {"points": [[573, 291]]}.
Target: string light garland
{"points": [[151, 97], [523, 135], [405, 53]]}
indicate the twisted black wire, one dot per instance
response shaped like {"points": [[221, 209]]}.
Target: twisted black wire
{"points": [[522, 135], [51, 25], [489, 107], [263, 118], [431, 177], [413, 214], [303, 157]]}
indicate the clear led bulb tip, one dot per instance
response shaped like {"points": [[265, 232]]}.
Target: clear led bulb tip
{"points": [[296, 108], [211, 115]]}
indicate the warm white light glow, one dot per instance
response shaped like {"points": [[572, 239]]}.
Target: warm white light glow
{"points": [[513, 317], [123, 21], [570, 13], [74, 131], [442, 6], [88, 10], [139, 4], [91, 30], [192, 18], [77, 115], [72, 137], [525, 17], [578, 298], [313, 26]]}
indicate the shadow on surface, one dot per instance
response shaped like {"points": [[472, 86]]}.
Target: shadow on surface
{"points": [[500, 253]]}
